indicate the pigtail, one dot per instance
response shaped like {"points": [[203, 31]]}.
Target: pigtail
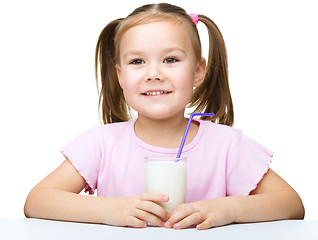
{"points": [[213, 95], [111, 97]]}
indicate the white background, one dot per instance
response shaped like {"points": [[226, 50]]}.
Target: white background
{"points": [[48, 93]]}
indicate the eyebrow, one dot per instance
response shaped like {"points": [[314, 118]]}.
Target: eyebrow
{"points": [[166, 50]]}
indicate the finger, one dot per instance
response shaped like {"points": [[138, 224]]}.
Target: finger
{"points": [[153, 208], [135, 222], [181, 212], [192, 219], [148, 217], [208, 223], [212, 221], [155, 197]]}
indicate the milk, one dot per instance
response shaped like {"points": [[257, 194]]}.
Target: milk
{"points": [[164, 175]]}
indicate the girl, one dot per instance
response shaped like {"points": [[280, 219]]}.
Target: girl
{"points": [[151, 62]]}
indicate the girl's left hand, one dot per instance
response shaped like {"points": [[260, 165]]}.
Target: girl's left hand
{"points": [[204, 214]]}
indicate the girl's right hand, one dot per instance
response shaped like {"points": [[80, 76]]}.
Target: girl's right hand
{"points": [[136, 211]]}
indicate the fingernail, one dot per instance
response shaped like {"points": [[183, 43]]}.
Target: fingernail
{"points": [[167, 225], [165, 197], [176, 226], [199, 227]]}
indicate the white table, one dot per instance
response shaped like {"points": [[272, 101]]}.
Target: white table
{"points": [[46, 229]]}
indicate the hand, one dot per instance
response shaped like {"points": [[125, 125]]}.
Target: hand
{"points": [[204, 214], [136, 211]]}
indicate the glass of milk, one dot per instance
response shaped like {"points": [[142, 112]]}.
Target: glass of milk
{"points": [[165, 175]]}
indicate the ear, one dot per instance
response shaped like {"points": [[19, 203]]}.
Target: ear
{"points": [[199, 72], [118, 71]]}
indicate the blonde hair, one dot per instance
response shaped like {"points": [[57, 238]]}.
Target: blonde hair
{"points": [[213, 95]]}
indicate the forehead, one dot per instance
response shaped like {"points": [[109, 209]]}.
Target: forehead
{"points": [[162, 34]]}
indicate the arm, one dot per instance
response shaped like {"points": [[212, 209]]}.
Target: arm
{"points": [[56, 197], [273, 199]]}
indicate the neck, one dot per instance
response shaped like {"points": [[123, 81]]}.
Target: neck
{"points": [[165, 133]]}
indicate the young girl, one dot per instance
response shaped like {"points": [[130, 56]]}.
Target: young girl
{"points": [[151, 61]]}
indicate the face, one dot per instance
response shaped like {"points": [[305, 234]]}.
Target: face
{"points": [[157, 69]]}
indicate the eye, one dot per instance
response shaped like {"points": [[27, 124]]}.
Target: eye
{"points": [[137, 61], [170, 60]]}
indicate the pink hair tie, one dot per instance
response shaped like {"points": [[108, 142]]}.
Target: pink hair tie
{"points": [[194, 17]]}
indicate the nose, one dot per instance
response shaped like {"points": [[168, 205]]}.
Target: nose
{"points": [[153, 72]]}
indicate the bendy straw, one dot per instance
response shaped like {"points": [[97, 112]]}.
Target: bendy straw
{"points": [[187, 130]]}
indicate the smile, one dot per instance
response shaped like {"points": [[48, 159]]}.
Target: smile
{"points": [[153, 93]]}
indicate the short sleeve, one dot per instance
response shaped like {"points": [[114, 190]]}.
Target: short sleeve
{"points": [[247, 163], [85, 154]]}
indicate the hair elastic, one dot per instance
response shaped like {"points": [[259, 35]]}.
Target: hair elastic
{"points": [[194, 17]]}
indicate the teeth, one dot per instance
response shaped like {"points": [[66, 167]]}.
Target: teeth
{"points": [[155, 93]]}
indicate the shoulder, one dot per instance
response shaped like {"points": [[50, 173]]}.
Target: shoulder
{"points": [[111, 130], [235, 139], [219, 135], [114, 131], [219, 129], [117, 126]]}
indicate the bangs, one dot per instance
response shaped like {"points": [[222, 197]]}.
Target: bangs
{"points": [[151, 17]]}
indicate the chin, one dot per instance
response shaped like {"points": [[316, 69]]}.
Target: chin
{"points": [[162, 115]]}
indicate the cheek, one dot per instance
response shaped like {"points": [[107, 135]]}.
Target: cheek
{"points": [[130, 77], [127, 81], [185, 91], [128, 89], [185, 83], [129, 84], [184, 79]]}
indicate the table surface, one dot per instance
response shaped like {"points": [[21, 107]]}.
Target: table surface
{"points": [[46, 229]]}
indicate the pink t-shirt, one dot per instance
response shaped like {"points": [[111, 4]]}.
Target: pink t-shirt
{"points": [[221, 161]]}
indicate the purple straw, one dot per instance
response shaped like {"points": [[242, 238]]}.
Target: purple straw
{"points": [[187, 130]]}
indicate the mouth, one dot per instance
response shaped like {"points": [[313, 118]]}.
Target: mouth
{"points": [[155, 93]]}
